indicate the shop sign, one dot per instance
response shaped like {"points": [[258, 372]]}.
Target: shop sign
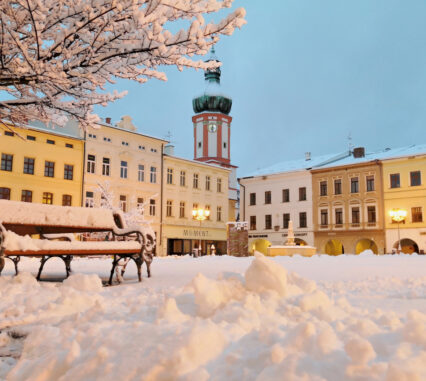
{"points": [[195, 233], [296, 234], [258, 236]]}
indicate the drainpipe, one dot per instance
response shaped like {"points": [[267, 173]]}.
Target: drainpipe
{"points": [[161, 195], [243, 208], [84, 165]]}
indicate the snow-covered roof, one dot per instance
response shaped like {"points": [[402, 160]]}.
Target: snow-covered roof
{"points": [[339, 159]]}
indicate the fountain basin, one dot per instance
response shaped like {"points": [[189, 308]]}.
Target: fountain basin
{"points": [[306, 251]]}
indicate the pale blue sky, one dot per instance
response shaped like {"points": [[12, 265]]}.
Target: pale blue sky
{"points": [[302, 74]]}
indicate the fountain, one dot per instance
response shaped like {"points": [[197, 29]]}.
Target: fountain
{"points": [[290, 248]]}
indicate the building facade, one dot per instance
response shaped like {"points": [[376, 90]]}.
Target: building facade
{"points": [[190, 185], [404, 187], [40, 165], [348, 207], [212, 131], [125, 167]]}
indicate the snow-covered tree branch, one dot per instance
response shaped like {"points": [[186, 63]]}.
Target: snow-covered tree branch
{"points": [[56, 56]]}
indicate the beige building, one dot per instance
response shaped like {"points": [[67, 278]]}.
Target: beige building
{"points": [[348, 205], [190, 184], [129, 166]]}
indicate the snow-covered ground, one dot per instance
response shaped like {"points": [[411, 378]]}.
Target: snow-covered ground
{"points": [[218, 318]]}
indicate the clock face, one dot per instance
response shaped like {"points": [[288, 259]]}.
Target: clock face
{"points": [[212, 127]]}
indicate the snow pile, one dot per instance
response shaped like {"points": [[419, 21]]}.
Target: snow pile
{"points": [[260, 322]]}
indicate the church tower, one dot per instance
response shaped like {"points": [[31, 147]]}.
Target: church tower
{"points": [[212, 129]]}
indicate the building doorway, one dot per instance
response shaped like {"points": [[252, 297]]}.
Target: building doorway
{"points": [[334, 247], [366, 244]]}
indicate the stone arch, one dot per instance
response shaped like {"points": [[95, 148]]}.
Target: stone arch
{"points": [[334, 247], [366, 244], [260, 245], [408, 246]]}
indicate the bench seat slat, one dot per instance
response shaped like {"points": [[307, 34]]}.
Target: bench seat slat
{"points": [[77, 252]]}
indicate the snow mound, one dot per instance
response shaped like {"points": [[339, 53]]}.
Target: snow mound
{"points": [[84, 282]]}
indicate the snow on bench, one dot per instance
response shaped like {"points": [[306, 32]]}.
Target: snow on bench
{"points": [[19, 220]]}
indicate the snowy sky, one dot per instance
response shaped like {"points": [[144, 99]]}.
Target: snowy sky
{"points": [[303, 74]]}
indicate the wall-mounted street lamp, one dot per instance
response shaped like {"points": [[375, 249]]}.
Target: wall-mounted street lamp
{"points": [[398, 215], [200, 215]]}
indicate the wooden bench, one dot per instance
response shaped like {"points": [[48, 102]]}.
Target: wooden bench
{"points": [[55, 227]]}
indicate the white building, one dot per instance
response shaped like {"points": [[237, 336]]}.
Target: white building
{"points": [[273, 196]]}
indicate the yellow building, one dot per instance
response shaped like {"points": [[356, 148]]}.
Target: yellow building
{"points": [[39, 165], [404, 187], [190, 184]]}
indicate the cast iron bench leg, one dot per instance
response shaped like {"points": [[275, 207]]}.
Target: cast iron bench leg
{"points": [[67, 259], [114, 264], [42, 262], [15, 262], [138, 260], [1, 264]]}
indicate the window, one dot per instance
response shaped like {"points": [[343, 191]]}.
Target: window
{"points": [[286, 220], [416, 214], [224, 144], [106, 139], [26, 196], [68, 172], [207, 183], [323, 188], [182, 178], [49, 169], [153, 175], [252, 198], [394, 180], [68, 145], [268, 221], [124, 143], [29, 166], [141, 172], [169, 205], [32, 138], [123, 203], [302, 194], [47, 198], [154, 150], [302, 220], [195, 181], [207, 207], [90, 202], [355, 215], [93, 136], [415, 178], [6, 162], [9, 133], [339, 216], [152, 207], [91, 161], [219, 213], [219, 185], [199, 144], [4, 193], [66, 200], [140, 205], [371, 212], [123, 169], [338, 186], [182, 210], [252, 222], [194, 207], [169, 176], [142, 148], [268, 197], [324, 217], [354, 185], [106, 166], [370, 183], [49, 141], [286, 195]]}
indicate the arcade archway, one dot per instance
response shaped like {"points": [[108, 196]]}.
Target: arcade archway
{"points": [[334, 247], [408, 246], [366, 244], [260, 245]]}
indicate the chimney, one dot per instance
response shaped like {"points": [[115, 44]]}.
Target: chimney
{"points": [[108, 120], [307, 156], [169, 149], [359, 152]]}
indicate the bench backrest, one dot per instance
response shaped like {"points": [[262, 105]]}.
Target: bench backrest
{"points": [[31, 218]]}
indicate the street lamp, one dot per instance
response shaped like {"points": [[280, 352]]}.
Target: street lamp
{"points": [[200, 215], [398, 215]]}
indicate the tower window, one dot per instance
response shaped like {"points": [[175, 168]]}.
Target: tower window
{"points": [[224, 145], [199, 144]]}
